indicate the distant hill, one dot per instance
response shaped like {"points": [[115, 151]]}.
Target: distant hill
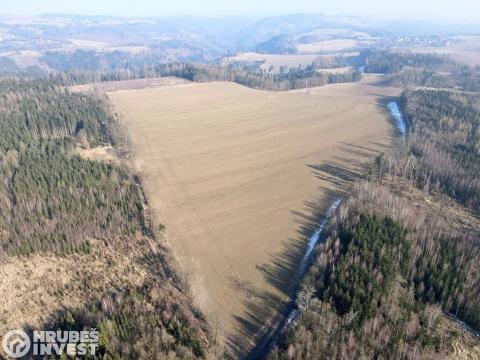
{"points": [[270, 27], [281, 44]]}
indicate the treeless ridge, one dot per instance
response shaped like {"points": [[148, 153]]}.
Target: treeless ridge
{"points": [[240, 177]]}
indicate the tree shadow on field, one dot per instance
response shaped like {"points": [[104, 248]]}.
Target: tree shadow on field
{"points": [[265, 309], [335, 178], [283, 270]]}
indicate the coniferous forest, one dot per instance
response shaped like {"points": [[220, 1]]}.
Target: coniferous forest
{"points": [[53, 201]]}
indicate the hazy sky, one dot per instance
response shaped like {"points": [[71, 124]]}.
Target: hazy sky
{"points": [[453, 10]]}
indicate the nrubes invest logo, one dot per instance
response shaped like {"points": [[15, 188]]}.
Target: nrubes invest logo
{"points": [[16, 343]]}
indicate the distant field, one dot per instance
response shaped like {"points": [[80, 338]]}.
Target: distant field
{"points": [[327, 46], [107, 86], [464, 49], [337, 33], [96, 45], [341, 70], [238, 177]]}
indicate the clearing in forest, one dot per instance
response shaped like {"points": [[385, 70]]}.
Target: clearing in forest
{"points": [[240, 177]]}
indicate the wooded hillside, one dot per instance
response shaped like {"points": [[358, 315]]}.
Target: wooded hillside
{"points": [[400, 255], [53, 202], [430, 70]]}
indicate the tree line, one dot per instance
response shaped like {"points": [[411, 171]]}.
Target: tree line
{"points": [[54, 201], [82, 67], [294, 78], [428, 70], [392, 266]]}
